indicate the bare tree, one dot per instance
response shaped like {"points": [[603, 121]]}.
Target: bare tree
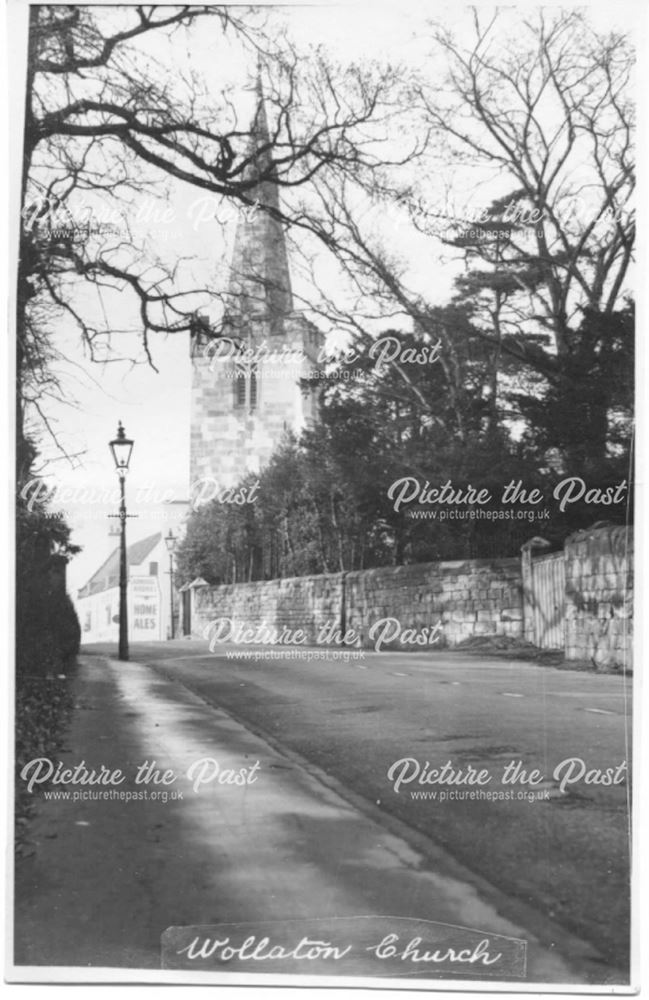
{"points": [[536, 112], [104, 119], [553, 113]]}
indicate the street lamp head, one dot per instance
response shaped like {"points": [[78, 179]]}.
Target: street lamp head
{"points": [[121, 448], [170, 541]]}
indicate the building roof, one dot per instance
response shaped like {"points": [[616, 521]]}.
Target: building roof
{"points": [[107, 576]]}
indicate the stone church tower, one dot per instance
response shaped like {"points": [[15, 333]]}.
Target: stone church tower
{"points": [[246, 391]]}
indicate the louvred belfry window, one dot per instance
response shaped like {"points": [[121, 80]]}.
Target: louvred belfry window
{"points": [[246, 386], [239, 387]]}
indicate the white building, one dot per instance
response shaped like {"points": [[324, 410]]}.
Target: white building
{"points": [[148, 595]]}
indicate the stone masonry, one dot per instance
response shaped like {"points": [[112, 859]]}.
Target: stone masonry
{"points": [[468, 598], [304, 602], [248, 387], [599, 596], [475, 597]]}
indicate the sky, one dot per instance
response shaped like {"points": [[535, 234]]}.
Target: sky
{"points": [[154, 405]]}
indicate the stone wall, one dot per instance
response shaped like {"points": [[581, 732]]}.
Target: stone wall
{"points": [[466, 598], [599, 596], [469, 597], [304, 602], [474, 597]]}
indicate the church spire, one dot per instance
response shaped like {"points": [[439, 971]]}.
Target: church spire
{"points": [[242, 406], [259, 151], [259, 287]]}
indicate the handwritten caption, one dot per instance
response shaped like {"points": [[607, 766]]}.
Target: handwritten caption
{"points": [[357, 945]]}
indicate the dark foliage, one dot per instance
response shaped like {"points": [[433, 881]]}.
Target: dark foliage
{"points": [[323, 506], [47, 628], [42, 711]]}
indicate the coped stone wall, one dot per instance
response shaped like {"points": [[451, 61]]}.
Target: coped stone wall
{"points": [[440, 604], [599, 596], [303, 602], [463, 598], [468, 597]]}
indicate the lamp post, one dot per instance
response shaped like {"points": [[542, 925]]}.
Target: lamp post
{"points": [[121, 448], [170, 542]]}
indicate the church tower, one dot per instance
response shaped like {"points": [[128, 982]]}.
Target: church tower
{"points": [[246, 388]]}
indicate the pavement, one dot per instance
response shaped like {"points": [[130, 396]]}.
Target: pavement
{"points": [[318, 832]]}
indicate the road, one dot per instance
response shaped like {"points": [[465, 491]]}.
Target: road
{"points": [[355, 719], [556, 866]]}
